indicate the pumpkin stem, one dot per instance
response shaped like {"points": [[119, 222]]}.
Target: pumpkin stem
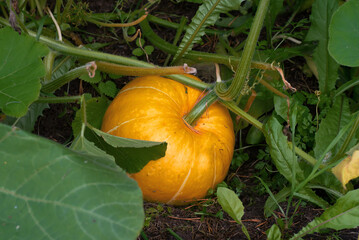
{"points": [[199, 108]]}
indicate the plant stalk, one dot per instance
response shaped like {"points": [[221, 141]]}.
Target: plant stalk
{"points": [[67, 77], [238, 111], [66, 99], [347, 140], [197, 56], [140, 71], [244, 64], [199, 108], [95, 55]]}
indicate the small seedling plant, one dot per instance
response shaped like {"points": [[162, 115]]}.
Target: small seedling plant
{"points": [[312, 138]]}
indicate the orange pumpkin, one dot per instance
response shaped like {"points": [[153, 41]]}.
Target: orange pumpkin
{"points": [[197, 158]]}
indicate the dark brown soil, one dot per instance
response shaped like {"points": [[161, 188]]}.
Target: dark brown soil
{"points": [[204, 219]]}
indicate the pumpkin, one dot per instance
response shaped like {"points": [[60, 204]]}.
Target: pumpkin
{"points": [[197, 158]]}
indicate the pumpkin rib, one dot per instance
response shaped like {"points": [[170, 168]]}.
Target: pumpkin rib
{"points": [[133, 119], [214, 167], [123, 123], [189, 170], [181, 187], [156, 89]]}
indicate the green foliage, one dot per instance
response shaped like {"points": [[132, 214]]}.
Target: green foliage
{"points": [[282, 155], [274, 233], [96, 79], [142, 49], [327, 67], [95, 110], [318, 123], [27, 122], [268, 173], [20, 71], [45, 183], [232, 205], [337, 117], [344, 34], [130, 154], [108, 88], [238, 159], [207, 14], [342, 215]]}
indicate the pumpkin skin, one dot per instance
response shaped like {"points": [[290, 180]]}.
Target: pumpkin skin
{"points": [[197, 158]]}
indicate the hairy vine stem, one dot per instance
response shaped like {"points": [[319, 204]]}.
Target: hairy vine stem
{"points": [[95, 55], [244, 64]]}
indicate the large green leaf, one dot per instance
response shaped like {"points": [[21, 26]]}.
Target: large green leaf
{"points": [[130, 154], [207, 14], [322, 12], [343, 214], [337, 117], [282, 155], [28, 121], [95, 110], [50, 192], [344, 34], [20, 71]]}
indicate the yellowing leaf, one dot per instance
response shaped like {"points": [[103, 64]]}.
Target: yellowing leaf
{"points": [[347, 169]]}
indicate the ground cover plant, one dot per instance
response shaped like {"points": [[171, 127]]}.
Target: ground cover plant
{"points": [[278, 100]]}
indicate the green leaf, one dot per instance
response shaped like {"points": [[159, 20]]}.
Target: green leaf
{"points": [[20, 71], [149, 49], [130, 154], [310, 196], [325, 181], [274, 233], [95, 110], [282, 54], [274, 8], [96, 79], [344, 34], [81, 144], [27, 122], [61, 66], [138, 52], [108, 88], [282, 155], [271, 204], [295, 110], [140, 42], [322, 12], [207, 14], [342, 215], [50, 192], [230, 203], [337, 117]]}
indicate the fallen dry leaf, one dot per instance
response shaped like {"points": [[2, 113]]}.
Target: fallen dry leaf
{"points": [[347, 169]]}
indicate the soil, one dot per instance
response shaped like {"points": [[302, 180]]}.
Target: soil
{"points": [[203, 219]]}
